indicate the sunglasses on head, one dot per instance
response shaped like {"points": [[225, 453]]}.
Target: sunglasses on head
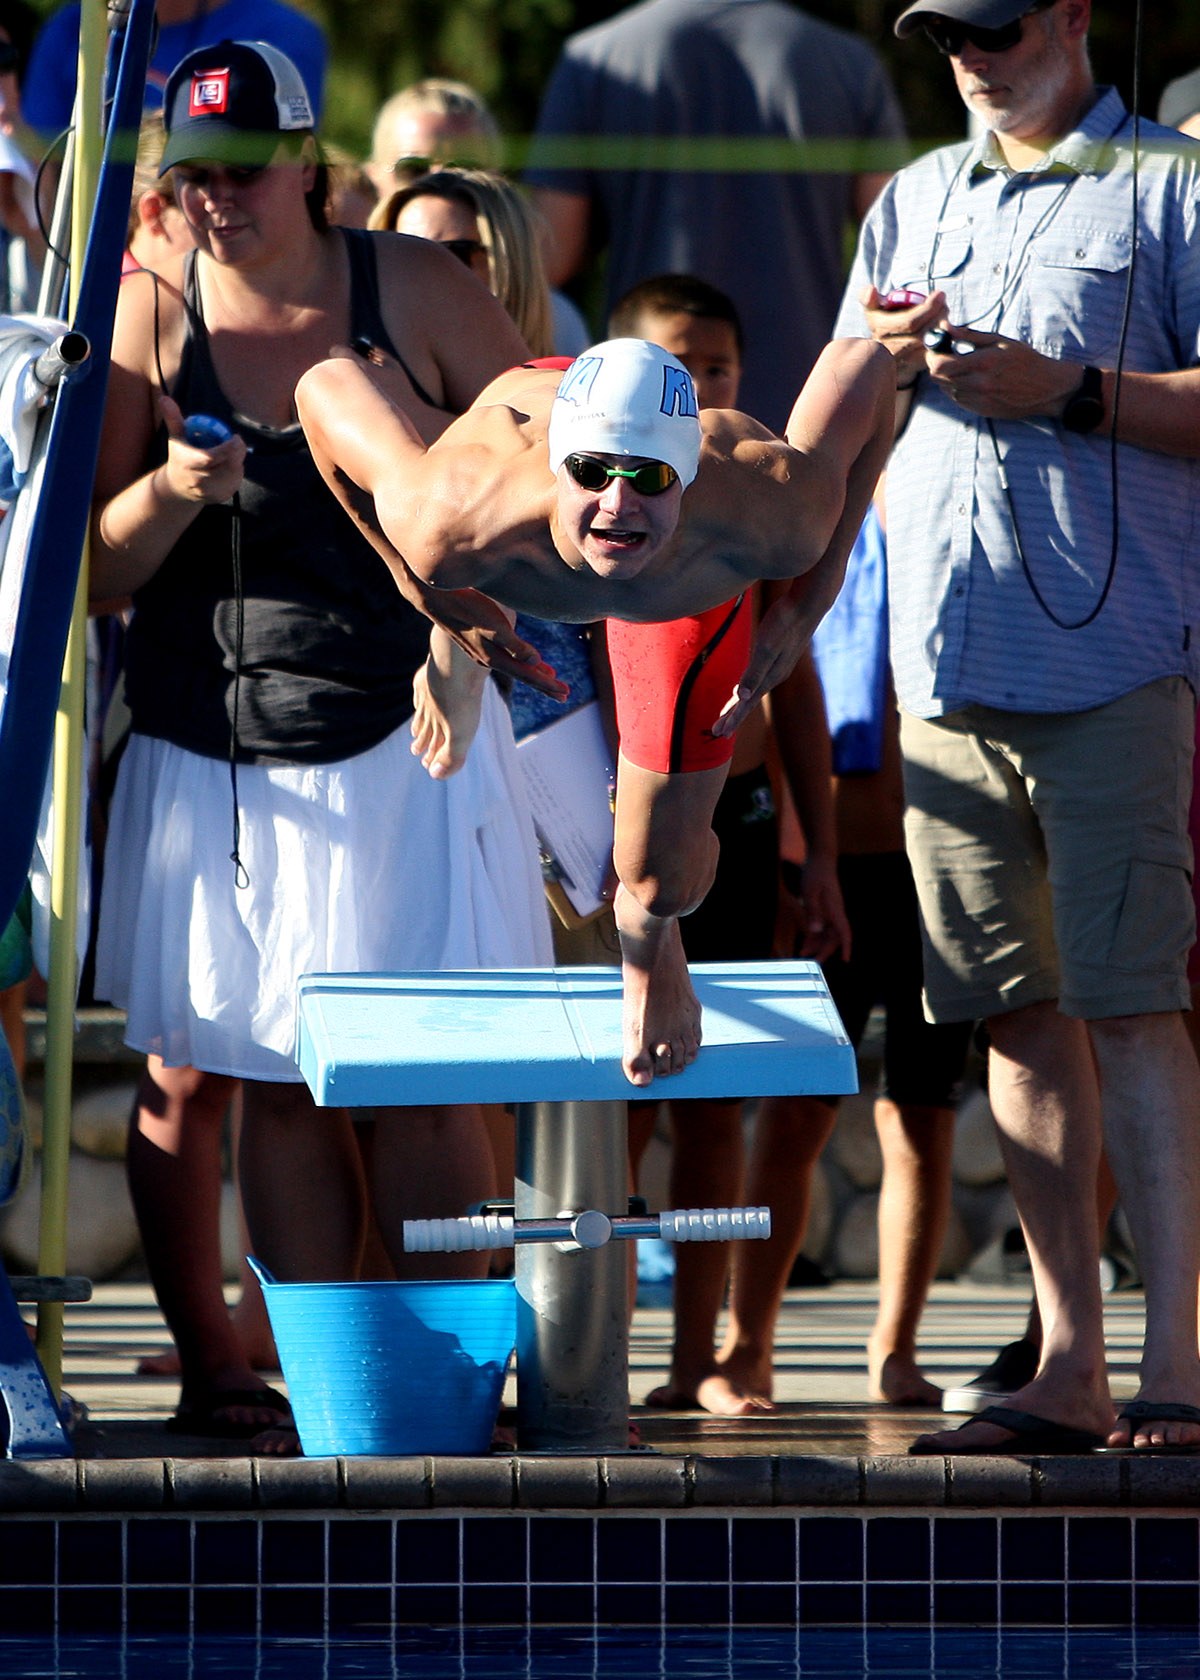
{"points": [[590, 474], [463, 249], [949, 36]]}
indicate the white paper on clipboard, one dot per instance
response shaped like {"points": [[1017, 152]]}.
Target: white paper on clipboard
{"points": [[568, 769]]}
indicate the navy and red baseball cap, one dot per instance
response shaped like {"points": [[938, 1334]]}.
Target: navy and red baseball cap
{"points": [[231, 102]]}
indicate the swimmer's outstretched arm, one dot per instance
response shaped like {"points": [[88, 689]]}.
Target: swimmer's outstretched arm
{"points": [[842, 423], [365, 443]]}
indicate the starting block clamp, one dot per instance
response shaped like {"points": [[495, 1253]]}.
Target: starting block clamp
{"points": [[589, 1229]]}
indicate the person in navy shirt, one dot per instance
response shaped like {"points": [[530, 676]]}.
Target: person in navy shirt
{"points": [[183, 25]]}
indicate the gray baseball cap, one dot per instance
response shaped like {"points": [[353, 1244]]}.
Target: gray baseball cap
{"points": [[984, 14]]}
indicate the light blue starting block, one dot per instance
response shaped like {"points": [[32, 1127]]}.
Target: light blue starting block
{"points": [[548, 1040]]}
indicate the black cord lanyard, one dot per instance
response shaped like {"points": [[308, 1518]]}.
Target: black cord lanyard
{"points": [[1114, 471], [240, 876], [999, 304], [1024, 261]]}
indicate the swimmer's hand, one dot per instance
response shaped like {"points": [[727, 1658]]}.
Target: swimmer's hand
{"points": [[480, 627], [783, 634]]}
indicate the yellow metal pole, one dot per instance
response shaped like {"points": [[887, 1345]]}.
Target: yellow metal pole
{"points": [[69, 739]]}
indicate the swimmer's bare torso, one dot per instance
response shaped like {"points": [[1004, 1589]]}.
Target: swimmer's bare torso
{"points": [[479, 508]]}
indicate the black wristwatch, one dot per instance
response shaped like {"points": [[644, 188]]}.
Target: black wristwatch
{"points": [[1085, 410]]}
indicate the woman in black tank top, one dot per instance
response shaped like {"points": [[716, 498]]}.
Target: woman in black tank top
{"points": [[267, 631]]}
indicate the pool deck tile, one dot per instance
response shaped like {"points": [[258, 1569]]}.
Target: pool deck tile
{"points": [[986, 1483], [738, 1480], [386, 1484], [660, 1483], [39, 1485], [558, 1483], [225, 1484], [1166, 1481], [298, 1484], [817, 1480], [480, 1483], [1091, 1479], [116, 1484], [904, 1481]]}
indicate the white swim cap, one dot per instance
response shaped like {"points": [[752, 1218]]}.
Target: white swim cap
{"points": [[627, 397]]}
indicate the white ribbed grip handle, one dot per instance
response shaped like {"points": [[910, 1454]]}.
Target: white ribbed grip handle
{"points": [[455, 1236], [714, 1224]]}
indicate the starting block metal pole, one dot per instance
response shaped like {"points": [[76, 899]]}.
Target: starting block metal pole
{"points": [[572, 1312]]}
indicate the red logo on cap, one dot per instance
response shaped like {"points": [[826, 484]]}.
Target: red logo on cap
{"points": [[210, 93]]}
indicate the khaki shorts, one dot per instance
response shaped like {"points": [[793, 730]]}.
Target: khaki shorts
{"points": [[1051, 855]]}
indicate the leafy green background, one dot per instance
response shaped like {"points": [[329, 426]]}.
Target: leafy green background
{"points": [[506, 49]]}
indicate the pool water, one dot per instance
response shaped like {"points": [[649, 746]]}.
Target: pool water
{"points": [[617, 1654]]}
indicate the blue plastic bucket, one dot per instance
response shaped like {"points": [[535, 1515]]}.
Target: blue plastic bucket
{"points": [[391, 1368]]}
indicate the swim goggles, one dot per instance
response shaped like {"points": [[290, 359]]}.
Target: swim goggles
{"points": [[649, 480]]}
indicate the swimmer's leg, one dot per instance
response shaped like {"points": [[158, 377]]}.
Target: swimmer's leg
{"points": [[447, 705], [665, 854]]}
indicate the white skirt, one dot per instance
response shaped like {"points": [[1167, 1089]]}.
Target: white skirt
{"points": [[367, 865]]}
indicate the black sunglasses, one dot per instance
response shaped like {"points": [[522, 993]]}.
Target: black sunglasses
{"points": [[412, 166], [949, 36], [463, 249], [10, 57], [590, 474]]}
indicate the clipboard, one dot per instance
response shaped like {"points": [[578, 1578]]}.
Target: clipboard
{"points": [[569, 771]]}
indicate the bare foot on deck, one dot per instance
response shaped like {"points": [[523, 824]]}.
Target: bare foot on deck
{"points": [[447, 705], [661, 1012], [718, 1393], [896, 1380], [733, 1385]]}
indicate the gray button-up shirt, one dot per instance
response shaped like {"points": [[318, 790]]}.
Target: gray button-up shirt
{"points": [[1042, 256]]}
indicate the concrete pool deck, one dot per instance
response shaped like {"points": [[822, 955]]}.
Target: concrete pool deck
{"points": [[813, 1516], [826, 1444]]}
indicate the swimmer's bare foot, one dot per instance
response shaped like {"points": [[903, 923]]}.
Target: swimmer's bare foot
{"points": [[896, 1379], [447, 705], [661, 1020]]}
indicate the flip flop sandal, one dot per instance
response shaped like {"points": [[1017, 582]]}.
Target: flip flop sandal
{"points": [[202, 1417], [1138, 1412], [1032, 1435]]}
